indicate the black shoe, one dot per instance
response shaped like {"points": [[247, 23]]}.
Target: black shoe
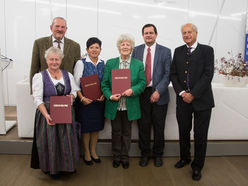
{"points": [[196, 175], [45, 172], [158, 162], [98, 160], [55, 176], [182, 163], [116, 163], [144, 161], [89, 163], [125, 165]]}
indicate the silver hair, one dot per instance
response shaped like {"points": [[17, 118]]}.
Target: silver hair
{"points": [[190, 24], [59, 18], [54, 50], [125, 37]]}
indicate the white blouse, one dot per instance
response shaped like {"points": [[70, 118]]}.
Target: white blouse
{"points": [[37, 86], [79, 69]]}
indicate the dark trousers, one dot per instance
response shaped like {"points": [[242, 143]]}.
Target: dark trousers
{"points": [[121, 136], [154, 115], [185, 113]]}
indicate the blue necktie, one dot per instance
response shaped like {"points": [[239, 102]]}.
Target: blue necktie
{"points": [[189, 51]]}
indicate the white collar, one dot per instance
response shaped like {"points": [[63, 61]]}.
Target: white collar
{"points": [[88, 60], [62, 40], [128, 60], [193, 47], [151, 47]]}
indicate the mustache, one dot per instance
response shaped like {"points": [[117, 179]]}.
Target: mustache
{"points": [[59, 32]]}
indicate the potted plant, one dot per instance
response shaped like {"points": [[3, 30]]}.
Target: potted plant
{"points": [[232, 70]]}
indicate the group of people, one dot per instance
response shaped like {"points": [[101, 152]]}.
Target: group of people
{"points": [[56, 147]]}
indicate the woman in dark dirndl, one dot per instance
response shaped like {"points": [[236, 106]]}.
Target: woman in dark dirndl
{"points": [[55, 146]]}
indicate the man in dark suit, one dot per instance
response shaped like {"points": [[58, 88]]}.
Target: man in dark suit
{"points": [[191, 74], [155, 98], [70, 48]]}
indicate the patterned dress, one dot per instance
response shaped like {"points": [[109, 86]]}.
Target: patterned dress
{"points": [[55, 147], [91, 116]]}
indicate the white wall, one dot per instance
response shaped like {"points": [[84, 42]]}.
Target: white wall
{"points": [[23, 21]]}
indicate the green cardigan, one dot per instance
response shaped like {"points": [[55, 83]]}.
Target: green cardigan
{"points": [[138, 84]]}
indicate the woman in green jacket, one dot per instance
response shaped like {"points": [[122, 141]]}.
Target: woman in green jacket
{"points": [[123, 108]]}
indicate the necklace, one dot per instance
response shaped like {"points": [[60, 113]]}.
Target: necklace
{"points": [[53, 75]]}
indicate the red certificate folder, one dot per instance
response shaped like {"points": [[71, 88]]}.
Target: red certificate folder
{"points": [[120, 80], [91, 87], [60, 109]]}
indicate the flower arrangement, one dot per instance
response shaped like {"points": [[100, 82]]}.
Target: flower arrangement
{"points": [[233, 66]]}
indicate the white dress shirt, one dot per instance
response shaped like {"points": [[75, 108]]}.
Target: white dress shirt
{"points": [[55, 43], [193, 47]]}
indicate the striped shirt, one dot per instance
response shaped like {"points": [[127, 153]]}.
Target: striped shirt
{"points": [[124, 64]]}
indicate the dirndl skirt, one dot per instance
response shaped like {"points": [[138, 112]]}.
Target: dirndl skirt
{"points": [[55, 147]]}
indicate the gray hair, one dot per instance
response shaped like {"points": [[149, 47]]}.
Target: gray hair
{"points": [[59, 18], [125, 37], [190, 24], [54, 50]]}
